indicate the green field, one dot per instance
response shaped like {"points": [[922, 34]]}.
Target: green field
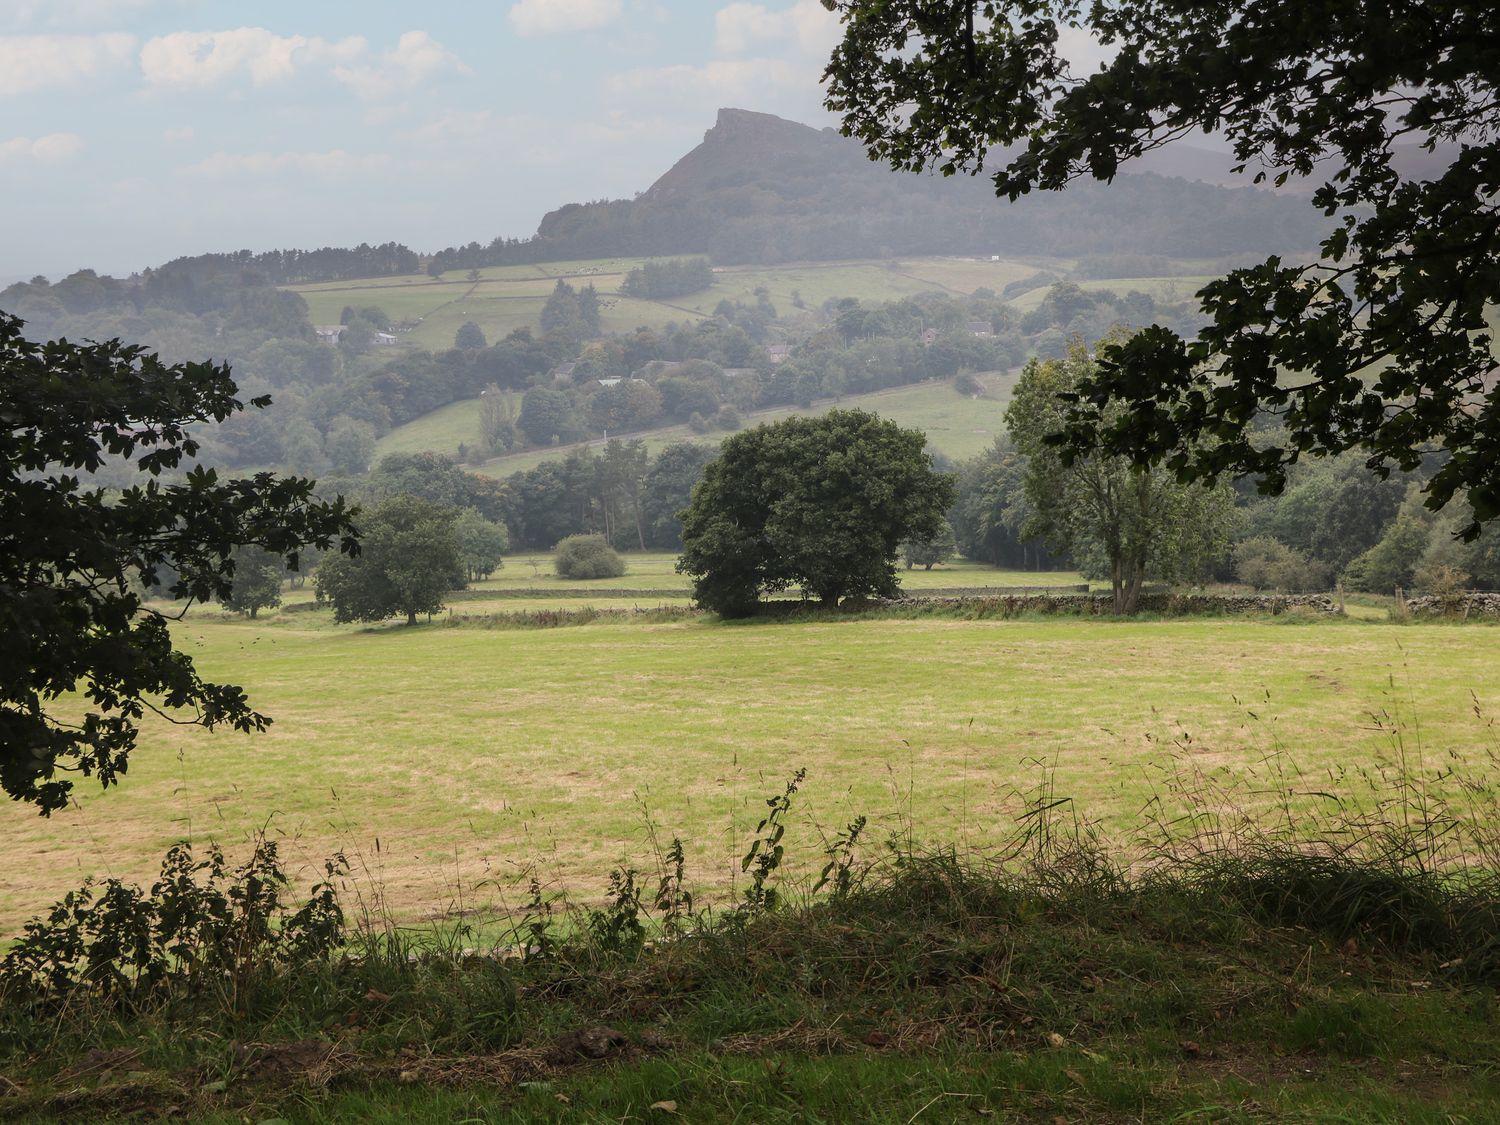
{"points": [[955, 425], [508, 297], [656, 570], [450, 762], [1167, 290], [503, 299]]}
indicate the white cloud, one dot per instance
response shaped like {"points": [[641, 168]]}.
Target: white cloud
{"points": [[179, 135], [415, 58], [36, 62], [770, 57], [719, 83], [206, 58], [546, 17], [334, 164], [44, 150], [806, 25]]}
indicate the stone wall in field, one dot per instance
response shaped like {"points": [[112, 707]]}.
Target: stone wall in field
{"points": [[1458, 605], [1102, 605]]}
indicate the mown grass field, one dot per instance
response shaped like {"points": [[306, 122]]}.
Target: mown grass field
{"points": [[452, 761], [956, 426]]}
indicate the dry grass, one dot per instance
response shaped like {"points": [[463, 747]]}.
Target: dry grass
{"points": [[453, 763]]}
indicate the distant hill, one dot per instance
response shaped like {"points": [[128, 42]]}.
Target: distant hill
{"points": [[1215, 166], [765, 190]]}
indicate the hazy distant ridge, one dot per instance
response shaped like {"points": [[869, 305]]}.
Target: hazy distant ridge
{"points": [[762, 189]]}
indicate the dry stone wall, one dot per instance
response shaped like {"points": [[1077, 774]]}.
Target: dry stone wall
{"points": [[1457, 605], [1102, 605]]}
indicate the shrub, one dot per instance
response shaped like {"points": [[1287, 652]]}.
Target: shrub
{"points": [[728, 418], [1264, 563], [967, 385], [587, 556], [202, 925]]}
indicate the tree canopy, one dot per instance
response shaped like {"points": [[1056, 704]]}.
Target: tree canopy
{"points": [[1381, 345], [257, 581], [1118, 521], [76, 559], [409, 558], [818, 502]]}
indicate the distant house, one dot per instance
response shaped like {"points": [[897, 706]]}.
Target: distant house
{"points": [[563, 372], [779, 353], [981, 328], [612, 381], [329, 333], [929, 336], [385, 339]]}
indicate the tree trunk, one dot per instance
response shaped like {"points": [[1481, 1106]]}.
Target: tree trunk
{"points": [[411, 617], [1134, 580]]}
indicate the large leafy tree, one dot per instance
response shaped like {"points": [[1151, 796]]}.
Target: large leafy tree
{"points": [[482, 544], [257, 581], [1117, 520], [409, 559], [818, 502], [76, 559], [1381, 345]]}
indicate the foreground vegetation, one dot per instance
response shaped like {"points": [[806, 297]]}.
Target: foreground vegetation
{"points": [[1344, 976]]}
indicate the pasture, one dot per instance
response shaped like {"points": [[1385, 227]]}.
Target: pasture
{"points": [[505, 298], [956, 426], [452, 763]]}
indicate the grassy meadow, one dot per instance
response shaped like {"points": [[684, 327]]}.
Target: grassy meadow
{"points": [[504, 298], [451, 762], [956, 426]]}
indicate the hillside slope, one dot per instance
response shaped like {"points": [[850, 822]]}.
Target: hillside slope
{"points": [[956, 426], [763, 189]]}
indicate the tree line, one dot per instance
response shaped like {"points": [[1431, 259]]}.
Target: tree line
{"points": [[1022, 503]]}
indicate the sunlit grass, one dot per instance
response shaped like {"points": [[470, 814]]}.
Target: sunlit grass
{"points": [[445, 757]]}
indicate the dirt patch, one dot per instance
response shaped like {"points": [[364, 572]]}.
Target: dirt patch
{"points": [[797, 1039], [149, 1097], [314, 1061]]}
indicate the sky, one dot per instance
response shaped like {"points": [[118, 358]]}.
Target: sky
{"points": [[135, 131]]}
